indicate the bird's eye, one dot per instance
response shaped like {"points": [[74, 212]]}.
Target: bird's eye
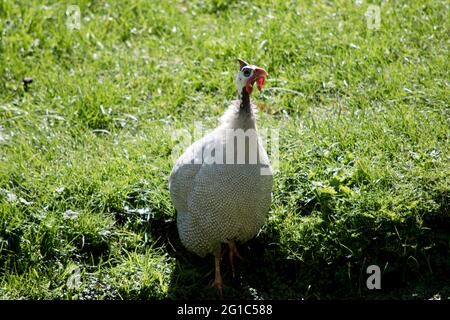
{"points": [[247, 72]]}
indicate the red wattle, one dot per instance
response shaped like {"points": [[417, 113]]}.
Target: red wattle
{"points": [[260, 83]]}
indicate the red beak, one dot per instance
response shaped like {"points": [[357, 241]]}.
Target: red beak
{"points": [[259, 74]]}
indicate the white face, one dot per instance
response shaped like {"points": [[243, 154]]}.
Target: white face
{"points": [[242, 77]]}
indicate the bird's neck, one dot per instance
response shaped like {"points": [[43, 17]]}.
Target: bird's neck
{"points": [[244, 100], [240, 114]]}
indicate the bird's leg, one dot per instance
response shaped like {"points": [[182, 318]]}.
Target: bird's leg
{"points": [[233, 253], [218, 284]]}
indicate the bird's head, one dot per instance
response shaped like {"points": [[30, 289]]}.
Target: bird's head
{"points": [[249, 74]]}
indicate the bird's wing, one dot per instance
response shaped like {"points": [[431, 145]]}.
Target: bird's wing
{"points": [[182, 177]]}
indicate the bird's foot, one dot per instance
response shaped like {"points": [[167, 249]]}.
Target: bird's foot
{"points": [[218, 284], [232, 254]]}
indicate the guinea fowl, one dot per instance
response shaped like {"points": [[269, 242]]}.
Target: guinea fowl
{"points": [[222, 194]]}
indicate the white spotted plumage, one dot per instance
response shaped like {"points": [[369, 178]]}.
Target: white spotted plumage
{"points": [[217, 203]]}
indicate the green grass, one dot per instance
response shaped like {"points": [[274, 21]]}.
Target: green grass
{"points": [[85, 153]]}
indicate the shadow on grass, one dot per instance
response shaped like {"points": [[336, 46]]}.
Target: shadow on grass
{"points": [[263, 274]]}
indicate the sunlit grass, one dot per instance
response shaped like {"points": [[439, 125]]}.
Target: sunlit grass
{"points": [[85, 152]]}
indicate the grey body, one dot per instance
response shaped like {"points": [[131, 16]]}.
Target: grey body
{"points": [[217, 203]]}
